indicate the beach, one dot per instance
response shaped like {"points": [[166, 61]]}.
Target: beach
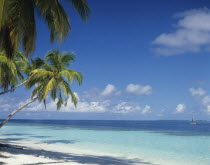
{"points": [[105, 142], [43, 154]]}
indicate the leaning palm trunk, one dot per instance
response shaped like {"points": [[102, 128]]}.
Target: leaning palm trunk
{"points": [[12, 89], [17, 110]]}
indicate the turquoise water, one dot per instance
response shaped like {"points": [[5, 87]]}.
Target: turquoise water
{"points": [[166, 143]]}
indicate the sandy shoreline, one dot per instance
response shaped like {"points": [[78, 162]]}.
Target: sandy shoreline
{"points": [[16, 154]]}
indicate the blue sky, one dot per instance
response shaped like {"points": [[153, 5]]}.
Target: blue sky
{"points": [[141, 60]]}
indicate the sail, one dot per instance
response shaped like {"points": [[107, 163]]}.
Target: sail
{"points": [[192, 118], [193, 122]]}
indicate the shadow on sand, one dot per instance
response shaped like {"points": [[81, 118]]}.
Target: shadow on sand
{"points": [[59, 141], [40, 137], [15, 134], [68, 158]]}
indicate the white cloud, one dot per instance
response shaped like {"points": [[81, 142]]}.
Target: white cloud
{"points": [[180, 108], [146, 109], [122, 108], [95, 101], [197, 91], [82, 106], [88, 107], [92, 106], [208, 108], [206, 103], [109, 100], [125, 107], [206, 100], [108, 90], [192, 34], [139, 89]]}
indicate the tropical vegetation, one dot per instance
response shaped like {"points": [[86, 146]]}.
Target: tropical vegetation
{"points": [[11, 69], [18, 22], [51, 76]]}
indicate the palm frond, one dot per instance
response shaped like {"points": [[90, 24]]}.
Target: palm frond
{"points": [[56, 18], [6, 43], [22, 25], [3, 13], [68, 90], [53, 94], [50, 86], [11, 69], [81, 7], [66, 58], [59, 102], [54, 78]]}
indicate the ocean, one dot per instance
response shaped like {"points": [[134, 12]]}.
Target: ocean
{"points": [[152, 142]]}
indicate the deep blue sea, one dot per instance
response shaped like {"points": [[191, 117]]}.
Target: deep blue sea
{"points": [[155, 142]]}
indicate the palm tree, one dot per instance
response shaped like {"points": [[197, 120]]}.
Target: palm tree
{"points": [[18, 24], [53, 78], [32, 65], [11, 70], [20, 65]]}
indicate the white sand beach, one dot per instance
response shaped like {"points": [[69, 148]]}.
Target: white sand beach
{"points": [[18, 159], [19, 154]]}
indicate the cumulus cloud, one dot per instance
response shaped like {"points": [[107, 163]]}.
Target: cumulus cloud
{"points": [[146, 109], [208, 108], [125, 107], [197, 91], [93, 101], [122, 108], [206, 100], [192, 34], [139, 89], [83, 106], [180, 108], [92, 106], [108, 90]]}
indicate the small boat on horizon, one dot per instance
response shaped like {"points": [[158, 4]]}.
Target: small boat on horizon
{"points": [[193, 121]]}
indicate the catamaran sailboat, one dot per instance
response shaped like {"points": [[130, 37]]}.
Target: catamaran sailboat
{"points": [[193, 122]]}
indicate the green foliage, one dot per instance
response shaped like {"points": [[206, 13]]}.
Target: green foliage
{"points": [[55, 78], [82, 8], [18, 25], [33, 64], [11, 69]]}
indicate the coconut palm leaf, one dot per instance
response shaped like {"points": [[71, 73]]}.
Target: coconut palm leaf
{"points": [[56, 18], [33, 64], [11, 69], [18, 24], [3, 14], [21, 24], [81, 7], [55, 79]]}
